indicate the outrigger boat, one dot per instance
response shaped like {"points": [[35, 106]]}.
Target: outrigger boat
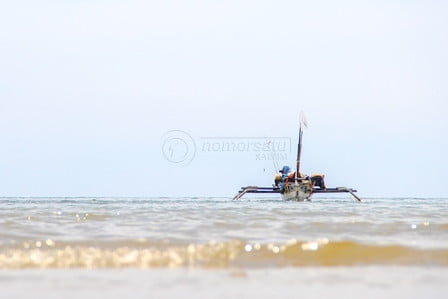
{"points": [[295, 186]]}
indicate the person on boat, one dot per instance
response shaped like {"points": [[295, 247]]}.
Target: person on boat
{"points": [[285, 170], [281, 178], [287, 176], [318, 181]]}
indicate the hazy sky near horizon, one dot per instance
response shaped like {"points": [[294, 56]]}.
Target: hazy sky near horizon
{"points": [[89, 90]]}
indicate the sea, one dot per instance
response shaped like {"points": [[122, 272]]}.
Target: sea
{"points": [[256, 247]]}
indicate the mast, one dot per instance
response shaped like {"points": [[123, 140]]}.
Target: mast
{"points": [[303, 123], [299, 151]]}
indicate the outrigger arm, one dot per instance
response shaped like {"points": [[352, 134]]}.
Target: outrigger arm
{"points": [[256, 189], [339, 190]]}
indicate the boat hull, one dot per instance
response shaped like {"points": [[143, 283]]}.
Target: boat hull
{"points": [[297, 192]]}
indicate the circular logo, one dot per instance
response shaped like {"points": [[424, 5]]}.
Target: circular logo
{"points": [[178, 147]]}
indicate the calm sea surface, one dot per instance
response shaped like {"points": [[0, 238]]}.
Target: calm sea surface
{"points": [[206, 236]]}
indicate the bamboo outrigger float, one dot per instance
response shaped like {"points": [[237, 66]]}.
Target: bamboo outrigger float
{"points": [[295, 186]]}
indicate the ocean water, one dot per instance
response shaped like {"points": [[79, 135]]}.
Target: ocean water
{"points": [[171, 247]]}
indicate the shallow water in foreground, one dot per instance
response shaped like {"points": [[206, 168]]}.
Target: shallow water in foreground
{"points": [[255, 242], [220, 233]]}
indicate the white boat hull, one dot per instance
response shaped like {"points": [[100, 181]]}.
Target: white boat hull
{"points": [[297, 192]]}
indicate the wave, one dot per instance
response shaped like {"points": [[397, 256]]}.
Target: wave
{"points": [[228, 254]]}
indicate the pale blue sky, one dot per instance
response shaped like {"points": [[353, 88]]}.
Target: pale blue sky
{"points": [[89, 88]]}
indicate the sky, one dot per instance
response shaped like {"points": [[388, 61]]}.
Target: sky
{"points": [[180, 98]]}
